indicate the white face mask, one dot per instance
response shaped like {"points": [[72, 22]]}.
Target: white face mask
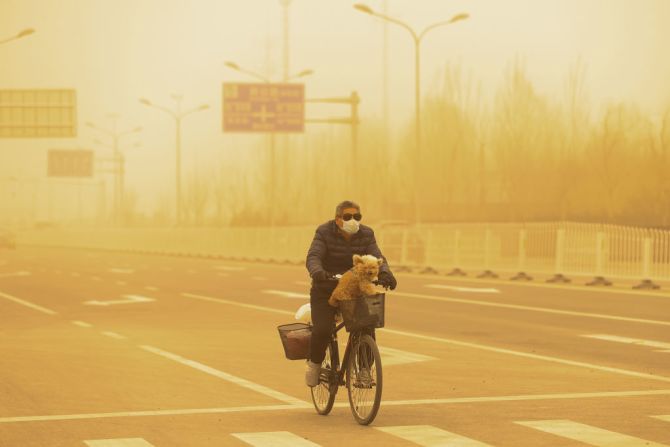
{"points": [[350, 226]]}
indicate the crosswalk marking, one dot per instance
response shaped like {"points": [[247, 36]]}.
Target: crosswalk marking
{"points": [[429, 436], [588, 434], [392, 356], [662, 346], [274, 439], [127, 442]]}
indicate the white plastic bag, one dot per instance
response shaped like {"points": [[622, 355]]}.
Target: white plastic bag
{"points": [[304, 314]]}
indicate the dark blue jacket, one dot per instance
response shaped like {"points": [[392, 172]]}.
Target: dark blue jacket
{"points": [[331, 252]]}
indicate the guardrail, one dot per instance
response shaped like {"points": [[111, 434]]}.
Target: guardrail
{"points": [[558, 250]]}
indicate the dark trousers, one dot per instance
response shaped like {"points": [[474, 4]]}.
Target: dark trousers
{"points": [[323, 319]]}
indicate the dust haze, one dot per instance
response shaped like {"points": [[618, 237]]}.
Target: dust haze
{"points": [[529, 111]]}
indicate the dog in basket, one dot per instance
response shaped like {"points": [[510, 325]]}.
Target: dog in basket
{"points": [[358, 281]]}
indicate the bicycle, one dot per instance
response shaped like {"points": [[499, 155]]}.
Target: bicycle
{"points": [[361, 367]]}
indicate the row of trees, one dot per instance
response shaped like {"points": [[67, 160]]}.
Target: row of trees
{"points": [[519, 157]]}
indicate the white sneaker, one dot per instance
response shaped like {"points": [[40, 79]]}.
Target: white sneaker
{"points": [[312, 373]]}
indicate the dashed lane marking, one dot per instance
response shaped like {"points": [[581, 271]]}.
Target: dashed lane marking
{"points": [[114, 335], [21, 273], [531, 308], [236, 303], [463, 289], [125, 442], [230, 268], [429, 436], [82, 324], [127, 300], [286, 294], [225, 376], [662, 346], [123, 271], [28, 304], [588, 434], [151, 288]]}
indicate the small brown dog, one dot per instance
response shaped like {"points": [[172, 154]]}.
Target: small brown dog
{"points": [[357, 281]]}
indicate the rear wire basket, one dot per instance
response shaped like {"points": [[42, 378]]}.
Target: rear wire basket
{"points": [[295, 338], [364, 312]]}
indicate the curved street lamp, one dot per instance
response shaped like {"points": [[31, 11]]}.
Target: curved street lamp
{"points": [[417, 37], [177, 114], [22, 33]]}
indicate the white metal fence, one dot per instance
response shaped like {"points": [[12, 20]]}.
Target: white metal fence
{"points": [[605, 251]]}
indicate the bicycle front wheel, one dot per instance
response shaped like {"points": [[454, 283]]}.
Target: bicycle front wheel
{"points": [[364, 379], [323, 395]]}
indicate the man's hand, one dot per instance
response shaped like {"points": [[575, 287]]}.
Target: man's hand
{"points": [[321, 275], [387, 280]]}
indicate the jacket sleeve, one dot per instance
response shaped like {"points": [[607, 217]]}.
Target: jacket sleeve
{"points": [[316, 254], [373, 249]]}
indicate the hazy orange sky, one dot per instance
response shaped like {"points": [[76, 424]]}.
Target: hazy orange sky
{"points": [[114, 52]]}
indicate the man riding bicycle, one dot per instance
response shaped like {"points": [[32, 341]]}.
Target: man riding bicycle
{"points": [[335, 242]]}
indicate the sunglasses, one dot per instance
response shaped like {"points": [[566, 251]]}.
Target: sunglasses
{"points": [[348, 216]]}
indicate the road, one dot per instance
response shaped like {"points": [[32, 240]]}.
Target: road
{"points": [[108, 349]]}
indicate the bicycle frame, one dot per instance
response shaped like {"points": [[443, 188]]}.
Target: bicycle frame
{"points": [[339, 370]]}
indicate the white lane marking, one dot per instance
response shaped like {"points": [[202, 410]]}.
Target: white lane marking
{"points": [[235, 303], [546, 358], [132, 414], [21, 273], [456, 342], [114, 335], [274, 439], [284, 407], [663, 346], [229, 268], [588, 434], [151, 288], [663, 417], [463, 289], [128, 299], [125, 442], [82, 324], [225, 376], [285, 294], [123, 271], [429, 436], [259, 278], [28, 304], [392, 356], [121, 283], [531, 308]]}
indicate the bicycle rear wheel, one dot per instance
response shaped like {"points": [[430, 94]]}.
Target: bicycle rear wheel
{"points": [[323, 395], [364, 379]]}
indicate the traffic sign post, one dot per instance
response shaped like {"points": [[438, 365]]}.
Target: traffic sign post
{"points": [[70, 163], [39, 113], [263, 107]]}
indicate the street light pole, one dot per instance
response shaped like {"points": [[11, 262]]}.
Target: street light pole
{"points": [[177, 115], [273, 139], [120, 160], [417, 38], [23, 33]]}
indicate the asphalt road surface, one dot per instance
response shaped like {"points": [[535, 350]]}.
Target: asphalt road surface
{"points": [[106, 349]]}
